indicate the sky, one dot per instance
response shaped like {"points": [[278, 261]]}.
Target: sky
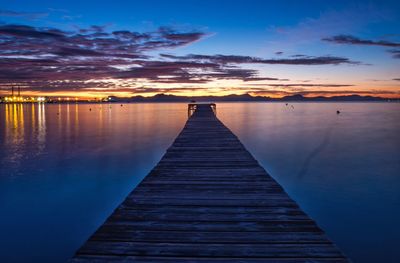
{"points": [[264, 48]]}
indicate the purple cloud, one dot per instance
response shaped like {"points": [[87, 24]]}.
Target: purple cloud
{"points": [[39, 55], [49, 59], [46, 53], [351, 40], [395, 53], [308, 85], [234, 59], [21, 31], [263, 91], [26, 15]]}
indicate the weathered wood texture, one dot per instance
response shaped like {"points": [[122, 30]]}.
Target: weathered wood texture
{"points": [[208, 200]]}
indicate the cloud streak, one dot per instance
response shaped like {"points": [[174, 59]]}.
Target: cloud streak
{"points": [[25, 15], [395, 53], [234, 59], [307, 85], [352, 40], [269, 92]]}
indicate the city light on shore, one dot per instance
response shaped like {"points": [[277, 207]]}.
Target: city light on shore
{"points": [[23, 99]]}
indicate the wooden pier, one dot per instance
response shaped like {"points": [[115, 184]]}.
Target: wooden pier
{"points": [[208, 200]]}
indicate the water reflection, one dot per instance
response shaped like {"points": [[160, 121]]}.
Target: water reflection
{"points": [[343, 169], [23, 123], [14, 134], [318, 149], [41, 130], [64, 168]]}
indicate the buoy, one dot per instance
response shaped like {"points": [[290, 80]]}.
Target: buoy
{"points": [[337, 112]]}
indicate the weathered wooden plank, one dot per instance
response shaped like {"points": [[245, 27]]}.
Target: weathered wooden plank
{"points": [[212, 209], [212, 193], [134, 215], [161, 259], [209, 250], [218, 226], [115, 234], [208, 200]]}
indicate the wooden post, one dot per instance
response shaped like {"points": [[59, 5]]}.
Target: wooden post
{"points": [[191, 109], [193, 106]]}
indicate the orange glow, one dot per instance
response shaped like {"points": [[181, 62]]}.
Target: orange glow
{"points": [[388, 89]]}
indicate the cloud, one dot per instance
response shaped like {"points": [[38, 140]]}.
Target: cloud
{"points": [[178, 37], [152, 90], [308, 85], [22, 31], [49, 40], [269, 92], [264, 78], [93, 58], [68, 51], [234, 59], [25, 15], [53, 57], [351, 40], [352, 18], [188, 72], [395, 53], [28, 52]]}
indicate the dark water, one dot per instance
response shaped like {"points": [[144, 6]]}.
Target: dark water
{"points": [[64, 168]]}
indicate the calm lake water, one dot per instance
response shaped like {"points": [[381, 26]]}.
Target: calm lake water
{"points": [[64, 168]]}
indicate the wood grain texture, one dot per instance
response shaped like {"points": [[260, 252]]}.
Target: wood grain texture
{"points": [[208, 200]]}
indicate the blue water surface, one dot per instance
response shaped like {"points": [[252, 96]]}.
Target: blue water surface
{"points": [[65, 167], [342, 169]]}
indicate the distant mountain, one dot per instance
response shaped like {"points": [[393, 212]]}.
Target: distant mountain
{"points": [[299, 97], [173, 98], [245, 98]]}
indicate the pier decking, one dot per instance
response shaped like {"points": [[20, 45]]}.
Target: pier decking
{"points": [[208, 200]]}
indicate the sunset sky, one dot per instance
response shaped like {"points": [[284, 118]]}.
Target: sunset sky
{"points": [[268, 48]]}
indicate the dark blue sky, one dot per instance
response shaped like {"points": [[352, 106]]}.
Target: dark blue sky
{"points": [[346, 46]]}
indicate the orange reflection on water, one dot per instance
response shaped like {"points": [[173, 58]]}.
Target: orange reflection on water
{"points": [[41, 131], [103, 126], [14, 132]]}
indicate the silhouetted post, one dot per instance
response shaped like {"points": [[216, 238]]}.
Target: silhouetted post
{"points": [[191, 109], [193, 106], [214, 108]]}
